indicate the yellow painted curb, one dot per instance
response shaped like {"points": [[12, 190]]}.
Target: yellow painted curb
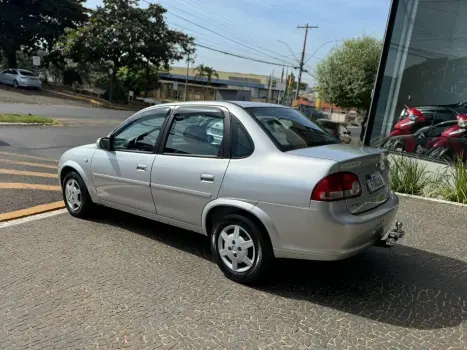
{"points": [[39, 165], [22, 186], [39, 209], [26, 173]]}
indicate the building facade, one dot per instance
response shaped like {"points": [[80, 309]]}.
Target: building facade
{"points": [[228, 86], [420, 98]]}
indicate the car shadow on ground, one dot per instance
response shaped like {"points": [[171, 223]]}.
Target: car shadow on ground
{"points": [[403, 286]]}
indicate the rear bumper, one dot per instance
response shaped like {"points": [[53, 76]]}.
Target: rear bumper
{"points": [[327, 231]]}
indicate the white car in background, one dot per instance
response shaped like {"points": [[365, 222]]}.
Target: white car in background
{"points": [[20, 78]]}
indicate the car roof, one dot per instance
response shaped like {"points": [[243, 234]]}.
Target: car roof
{"points": [[251, 104], [241, 104], [23, 70]]}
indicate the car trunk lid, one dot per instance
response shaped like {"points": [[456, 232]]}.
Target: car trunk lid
{"points": [[369, 164]]}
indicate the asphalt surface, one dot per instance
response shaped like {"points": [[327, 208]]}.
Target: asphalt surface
{"points": [[26, 182], [120, 281], [67, 113]]}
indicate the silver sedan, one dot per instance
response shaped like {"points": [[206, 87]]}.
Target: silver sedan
{"points": [[20, 78], [260, 180]]}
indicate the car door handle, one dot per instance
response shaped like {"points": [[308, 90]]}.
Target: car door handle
{"points": [[141, 167], [207, 178]]}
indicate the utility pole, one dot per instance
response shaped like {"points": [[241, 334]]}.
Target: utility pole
{"points": [[302, 63], [186, 78]]}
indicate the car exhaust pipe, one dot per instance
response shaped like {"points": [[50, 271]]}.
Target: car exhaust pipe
{"points": [[389, 239]]}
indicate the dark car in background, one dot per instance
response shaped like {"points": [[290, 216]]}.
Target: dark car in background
{"points": [[336, 129]]}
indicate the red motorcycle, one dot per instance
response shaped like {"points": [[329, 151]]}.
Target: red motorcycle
{"points": [[412, 121], [452, 143]]}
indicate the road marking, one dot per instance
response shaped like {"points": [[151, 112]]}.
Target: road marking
{"points": [[23, 186], [30, 214], [39, 165], [27, 156], [26, 173]]}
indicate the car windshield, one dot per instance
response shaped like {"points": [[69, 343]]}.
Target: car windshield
{"points": [[26, 73], [289, 129]]}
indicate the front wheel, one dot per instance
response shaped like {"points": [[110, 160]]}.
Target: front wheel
{"points": [[76, 196], [15, 84], [441, 153], [241, 249]]}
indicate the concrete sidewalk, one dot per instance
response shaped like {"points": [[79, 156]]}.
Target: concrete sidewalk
{"points": [[121, 281]]}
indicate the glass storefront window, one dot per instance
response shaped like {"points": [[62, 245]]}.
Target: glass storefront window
{"points": [[421, 105]]}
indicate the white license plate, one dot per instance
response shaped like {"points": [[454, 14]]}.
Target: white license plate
{"points": [[375, 181]]}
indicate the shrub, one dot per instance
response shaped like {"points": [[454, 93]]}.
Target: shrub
{"points": [[453, 187], [409, 176]]}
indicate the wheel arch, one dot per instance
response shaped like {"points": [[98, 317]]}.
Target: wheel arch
{"points": [[223, 206], [70, 166]]}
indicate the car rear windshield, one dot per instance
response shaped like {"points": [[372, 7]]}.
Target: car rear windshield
{"points": [[26, 73], [289, 129]]}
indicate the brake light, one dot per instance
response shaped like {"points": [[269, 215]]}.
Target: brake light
{"points": [[337, 187]]}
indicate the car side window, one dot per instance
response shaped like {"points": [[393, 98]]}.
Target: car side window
{"points": [[241, 143], [197, 133], [141, 135], [12, 71]]}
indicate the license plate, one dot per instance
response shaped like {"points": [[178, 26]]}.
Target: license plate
{"points": [[375, 181]]}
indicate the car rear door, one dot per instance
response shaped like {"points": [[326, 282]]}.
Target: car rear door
{"points": [[122, 175], [191, 164]]}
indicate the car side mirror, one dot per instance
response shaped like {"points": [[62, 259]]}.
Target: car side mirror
{"points": [[104, 143], [348, 133]]}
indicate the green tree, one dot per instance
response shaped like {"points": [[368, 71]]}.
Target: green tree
{"points": [[207, 72], [346, 77], [124, 35], [32, 25]]}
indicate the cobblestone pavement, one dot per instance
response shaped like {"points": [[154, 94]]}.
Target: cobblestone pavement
{"points": [[125, 282]]}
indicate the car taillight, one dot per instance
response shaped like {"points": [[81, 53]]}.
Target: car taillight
{"points": [[337, 187]]}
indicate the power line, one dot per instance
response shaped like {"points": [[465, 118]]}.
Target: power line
{"points": [[245, 57], [218, 34], [224, 22]]}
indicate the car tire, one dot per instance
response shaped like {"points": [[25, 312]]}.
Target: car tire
{"points": [[15, 84], [246, 260], [78, 203]]}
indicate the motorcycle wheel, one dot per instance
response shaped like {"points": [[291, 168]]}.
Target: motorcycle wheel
{"points": [[444, 154], [392, 145]]}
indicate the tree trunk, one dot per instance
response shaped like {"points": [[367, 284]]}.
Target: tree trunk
{"points": [[148, 80], [10, 55]]}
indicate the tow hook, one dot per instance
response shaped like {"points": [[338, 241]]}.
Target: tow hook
{"points": [[390, 239]]}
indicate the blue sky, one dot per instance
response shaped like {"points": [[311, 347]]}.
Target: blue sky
{"points": [[259, 24]]}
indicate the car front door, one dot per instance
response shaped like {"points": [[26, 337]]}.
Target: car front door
{"points": [[122, 174], [189, 169]]}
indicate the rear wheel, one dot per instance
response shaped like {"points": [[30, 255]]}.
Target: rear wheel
{"points": [[241, 249], [76, 196]]}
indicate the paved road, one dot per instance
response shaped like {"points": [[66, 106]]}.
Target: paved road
{"points": [[124, 282], [67, 113]]}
